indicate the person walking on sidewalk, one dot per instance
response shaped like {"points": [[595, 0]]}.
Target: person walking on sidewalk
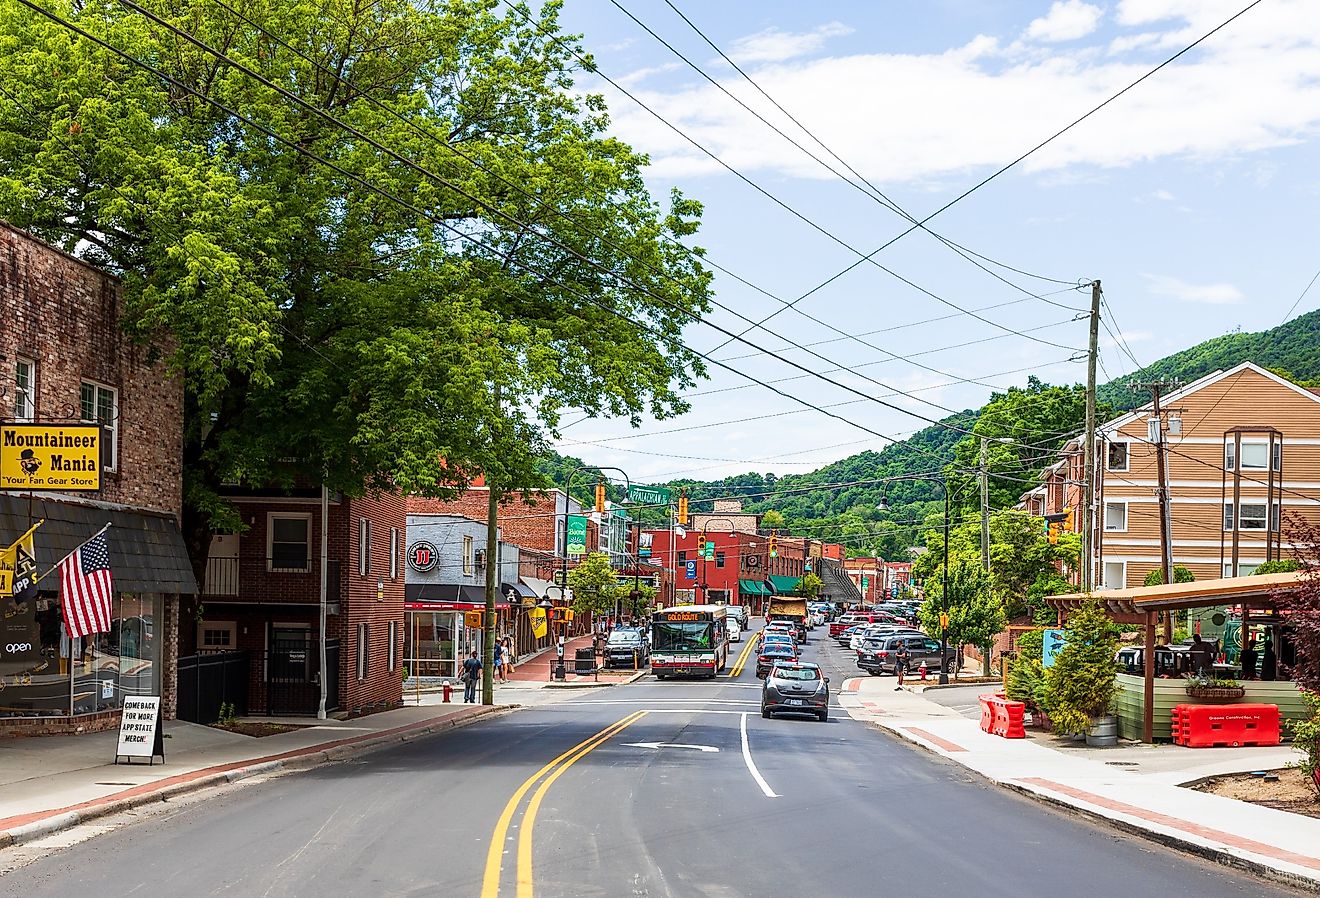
{"points": [[499, 661], [508, 657], [902, 659], [471, 676]]}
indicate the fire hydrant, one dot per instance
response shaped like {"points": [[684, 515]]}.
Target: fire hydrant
{"points": [[923, 670], [449, 691]]}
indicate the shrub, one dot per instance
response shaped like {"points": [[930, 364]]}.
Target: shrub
{"points": [[1306, 736], [1080, 686]]}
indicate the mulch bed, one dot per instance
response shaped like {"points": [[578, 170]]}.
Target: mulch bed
{"points": [[255, 728], [1290, 793]]}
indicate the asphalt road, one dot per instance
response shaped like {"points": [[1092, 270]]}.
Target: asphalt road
{"points": [[963, 699], [666, 803]]}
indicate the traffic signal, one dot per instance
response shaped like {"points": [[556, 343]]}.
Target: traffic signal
{"points": [[600, 498], [1068, 520], [774, 546], [682, 509], [1054, 524], [1055, 529]]}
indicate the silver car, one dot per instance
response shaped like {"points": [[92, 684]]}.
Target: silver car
{"points": [[795, 687]]}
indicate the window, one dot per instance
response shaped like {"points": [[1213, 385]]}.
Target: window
{"points": [[288, 546], [364, 546], [1244, 570], [1115, 574], [469, 563], [1117, 457], [682, 556], [719, 559], [25, 390], [394, 554], [363, 641], [1116, 516], [1254, 455], [394, 644], [216, 636], [100, 405], [1251, 517]]}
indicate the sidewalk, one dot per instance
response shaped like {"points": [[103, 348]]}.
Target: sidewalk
{"points": [[1136, 789], [51, 783]]}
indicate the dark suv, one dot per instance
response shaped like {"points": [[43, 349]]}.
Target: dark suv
{"points": [[878, 657], [625, 647]]}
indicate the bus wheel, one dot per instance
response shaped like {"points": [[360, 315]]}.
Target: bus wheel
{"points": [[660, 676]]}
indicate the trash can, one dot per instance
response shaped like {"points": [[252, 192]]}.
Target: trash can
{"points": [[584, 661]]}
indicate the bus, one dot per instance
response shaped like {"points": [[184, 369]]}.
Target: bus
{"points": [[689, 640]]}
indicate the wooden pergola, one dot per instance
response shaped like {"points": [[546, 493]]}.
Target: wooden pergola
{"points": [[1141, 605]]}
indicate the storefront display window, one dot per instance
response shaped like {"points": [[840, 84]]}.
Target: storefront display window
{"points": [[429, 643]]}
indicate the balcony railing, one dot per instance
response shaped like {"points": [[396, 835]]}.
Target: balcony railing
{"points": [[251, 579]]}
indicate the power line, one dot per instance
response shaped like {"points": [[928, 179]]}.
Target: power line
{"points": [[1299, 299]]}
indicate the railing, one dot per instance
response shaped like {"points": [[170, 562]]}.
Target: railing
{"points": [[232, 577]]}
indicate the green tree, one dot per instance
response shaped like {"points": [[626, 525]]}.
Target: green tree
{"points": [[1283, 565], [1081, 684], [810, 585], [595, 585], [975, 613], [771, 519], [1180, 575], [323, 330], [1026, 672]]}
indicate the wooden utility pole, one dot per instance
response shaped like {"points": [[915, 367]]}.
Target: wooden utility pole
{"points": [[1088, 463], [1156, 435]]}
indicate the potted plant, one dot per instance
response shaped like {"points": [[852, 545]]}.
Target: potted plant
{"points": [[1203, 686], [1080, 686]]}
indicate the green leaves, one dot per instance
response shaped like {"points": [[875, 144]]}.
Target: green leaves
{"points": [[1081, 685]]}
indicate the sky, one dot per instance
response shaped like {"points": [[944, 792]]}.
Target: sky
{"points": [[1191, 197]]}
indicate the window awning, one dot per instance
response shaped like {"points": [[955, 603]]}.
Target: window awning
{"points": [[1254, 589], [453, 593], [147, 552], [784, 585], [753, 588]]}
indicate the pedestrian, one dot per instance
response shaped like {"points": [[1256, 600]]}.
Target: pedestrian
{"points": [[1248, 659], [902, 658], [508, 658], [471, 676], [1201, 655], [499, 661], [1269, 662]]}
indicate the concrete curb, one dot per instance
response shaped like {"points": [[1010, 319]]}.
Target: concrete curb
{"points": [[60, 819], [1169, 840]]}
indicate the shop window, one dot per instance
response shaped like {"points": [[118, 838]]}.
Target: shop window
{"points": [[100, 405], [288, 543], [25, 390]]}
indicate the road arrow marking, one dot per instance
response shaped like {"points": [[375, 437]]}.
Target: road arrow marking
{"points": [[671, 745]]}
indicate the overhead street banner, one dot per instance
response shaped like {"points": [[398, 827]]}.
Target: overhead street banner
{"points": [[577, 535], [649, 495], [50, 457]]}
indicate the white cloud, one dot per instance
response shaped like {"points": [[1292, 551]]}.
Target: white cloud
{"points": [[1163, 196], [904, 118], [1210, 294], [1067, 20], [773, 45]]}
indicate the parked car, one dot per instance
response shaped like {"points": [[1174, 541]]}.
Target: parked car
{"points": [[881, 660], [797, 688], [845, 635], [626, 647], [876, 631], [771, 653]]}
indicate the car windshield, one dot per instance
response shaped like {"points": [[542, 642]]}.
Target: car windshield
{"points": [[682, 636], [624, 637], [778, 650], [797, 673]]}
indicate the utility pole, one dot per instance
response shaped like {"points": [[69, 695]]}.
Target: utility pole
{"points": [[985, 504], [1088, 463], [1156, 436]]}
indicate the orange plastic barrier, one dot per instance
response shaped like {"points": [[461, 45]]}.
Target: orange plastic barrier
{"points": [[1002, 717], [1209, 726]]}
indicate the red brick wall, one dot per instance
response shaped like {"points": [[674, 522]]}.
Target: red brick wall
{"points": [[65, 316], [528, 524]]}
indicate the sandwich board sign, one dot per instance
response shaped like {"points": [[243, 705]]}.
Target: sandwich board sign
{"points": [[140, 733]]}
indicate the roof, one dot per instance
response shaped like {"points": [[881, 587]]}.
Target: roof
{"points": [[1200, 384], [1252, 589]]}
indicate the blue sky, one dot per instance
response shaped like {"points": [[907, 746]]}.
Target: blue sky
{"points": [[1191, 198]]}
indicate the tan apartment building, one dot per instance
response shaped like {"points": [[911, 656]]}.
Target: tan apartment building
{"points": [[1243, 467]]}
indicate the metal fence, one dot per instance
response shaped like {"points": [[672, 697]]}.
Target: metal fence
{"points": [[209, 681], [281, 680]]}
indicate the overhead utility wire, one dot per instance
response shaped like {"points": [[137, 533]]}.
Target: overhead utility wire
{"points": [[867, 258], [439, 221], [497, 211], [995, 174], [431, 135], [873, 193]]}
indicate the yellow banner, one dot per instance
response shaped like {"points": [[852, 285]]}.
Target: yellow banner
{"points": [[19, 560], [50, 457], [537, 616]]}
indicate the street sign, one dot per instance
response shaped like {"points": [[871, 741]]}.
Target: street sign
{"points": [[649, 495], [1055, 640], [690, 570], [577, 535]]}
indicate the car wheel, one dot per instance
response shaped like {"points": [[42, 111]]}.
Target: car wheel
{"points": [[874, 673], [823, 716], [952, 666], [765, 712], [661, 676]]}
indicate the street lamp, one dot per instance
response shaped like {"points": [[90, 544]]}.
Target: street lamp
{"points": [[568, 486]]}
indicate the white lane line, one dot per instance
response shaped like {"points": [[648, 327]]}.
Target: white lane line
{"points": [[751, 765], [648, 701]]}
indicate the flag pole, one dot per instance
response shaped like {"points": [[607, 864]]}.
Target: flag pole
{"points": [[53, 567], [26, 534]]}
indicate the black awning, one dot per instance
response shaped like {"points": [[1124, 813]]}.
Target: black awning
{"points": [[443, 592], [147, 553], [520, 589]]}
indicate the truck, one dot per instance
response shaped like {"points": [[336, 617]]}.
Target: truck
{"points": [[791, 609]]}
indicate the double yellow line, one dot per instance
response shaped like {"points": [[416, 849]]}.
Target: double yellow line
{"points": [[490, 883], [742, 657]]}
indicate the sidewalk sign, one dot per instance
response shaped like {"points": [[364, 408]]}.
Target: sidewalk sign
{"points": [[140, 732]]}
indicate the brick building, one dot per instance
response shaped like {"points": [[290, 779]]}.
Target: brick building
{"points": [[262, 598], [67, 361]]}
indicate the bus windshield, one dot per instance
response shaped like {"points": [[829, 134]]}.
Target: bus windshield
{"points": [[682, 636]]}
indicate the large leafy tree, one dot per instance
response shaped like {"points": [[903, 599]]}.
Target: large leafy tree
{"points": [[307, 272], [976, 614], [595, 585]]}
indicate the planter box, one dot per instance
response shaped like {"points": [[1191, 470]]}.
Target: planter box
{"points": [[1217, 693]]}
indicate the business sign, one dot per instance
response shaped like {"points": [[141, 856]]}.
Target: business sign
{"points": [[644, 542], [690, 570], [577, 534], [422, 556], [139, 729], [49, 457], [649, 495], [1054, 642]]}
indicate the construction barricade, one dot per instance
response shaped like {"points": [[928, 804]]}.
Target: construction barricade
{"points": [[1230, 726], [1001, 716]]}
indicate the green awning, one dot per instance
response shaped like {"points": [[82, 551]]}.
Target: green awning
{"points": [[784, 585], [752, 588]]}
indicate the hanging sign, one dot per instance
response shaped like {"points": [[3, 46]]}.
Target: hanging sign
{"points": [[140, 733], [649, 495], [577, 534], [644, 543], [50, 457]]}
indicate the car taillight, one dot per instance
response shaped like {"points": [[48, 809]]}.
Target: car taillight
{"points": [[763, 658], [883, 655]]}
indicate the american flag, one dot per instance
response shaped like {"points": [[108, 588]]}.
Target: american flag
{"points": [[86, 589]]}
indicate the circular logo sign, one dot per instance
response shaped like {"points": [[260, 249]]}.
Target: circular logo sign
{"points": [[753, 561], [422, 556]]}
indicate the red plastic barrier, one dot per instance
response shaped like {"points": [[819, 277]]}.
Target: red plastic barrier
{"points": [[1003, 717], [1208, 726]]}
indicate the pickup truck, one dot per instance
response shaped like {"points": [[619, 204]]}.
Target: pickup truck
{"points": [[792, 610]]}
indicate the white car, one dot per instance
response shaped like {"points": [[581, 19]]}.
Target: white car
{"points": [[734, 628]]}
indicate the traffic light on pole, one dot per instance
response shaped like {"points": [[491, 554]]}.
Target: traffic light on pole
{"points": [[1055, 528], [774, 546], [1068, 520], [600, 498], [682, 508]]}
